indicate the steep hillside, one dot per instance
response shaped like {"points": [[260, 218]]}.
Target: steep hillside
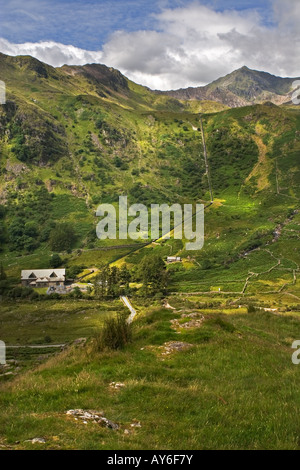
{"points": [[73, 137]]}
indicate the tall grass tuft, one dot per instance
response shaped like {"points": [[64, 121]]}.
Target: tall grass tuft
{"points": [[115, 334], [251, 308]]}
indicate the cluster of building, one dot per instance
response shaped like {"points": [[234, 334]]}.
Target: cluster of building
{"points": [[55, 279]]}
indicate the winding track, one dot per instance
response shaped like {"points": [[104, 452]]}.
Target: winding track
{"points": [[127, 303]]}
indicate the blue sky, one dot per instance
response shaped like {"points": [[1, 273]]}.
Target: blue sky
{"points": [[85, 24], [162, 44], [89, 24]]}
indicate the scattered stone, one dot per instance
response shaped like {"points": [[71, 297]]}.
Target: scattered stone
{"points": [[85, 415], [116, 385], [136, 424], [37, 440], [94, 416], [6, 374], [196, 322], [109, 424], [176, 346], [192, 315]]}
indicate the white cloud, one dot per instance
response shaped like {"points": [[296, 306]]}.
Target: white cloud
{"points": [[192, 45], [51, 52]]}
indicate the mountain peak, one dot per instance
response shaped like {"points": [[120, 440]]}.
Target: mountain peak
{"points": [[242, 87]]}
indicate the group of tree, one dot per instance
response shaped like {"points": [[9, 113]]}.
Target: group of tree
{"points": [[111, 282], [62, 237], [29, 216], [28, 236], [23, 236], [55, 261], [73, 271], [154, 276]]}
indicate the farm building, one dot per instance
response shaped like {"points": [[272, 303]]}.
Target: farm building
{"points": [[43, 277]]}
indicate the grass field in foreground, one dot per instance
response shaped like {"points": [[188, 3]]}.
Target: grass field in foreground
{"points": [[235, 388], [25, 322]]}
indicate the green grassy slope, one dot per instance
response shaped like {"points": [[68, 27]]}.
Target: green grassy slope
{"points": [[253, 225], [74, 137], [234, 387]]}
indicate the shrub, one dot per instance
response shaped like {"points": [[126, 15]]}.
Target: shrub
{"points": [[62, 237], [115, 334], [251, 308], [55, 261], [22, 293], [76, 293], [73, 271]]}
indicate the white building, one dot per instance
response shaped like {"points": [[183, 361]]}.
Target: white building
{"points": [[43, 277]]}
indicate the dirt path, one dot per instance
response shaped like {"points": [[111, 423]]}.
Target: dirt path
{"points": [[127, 304]]}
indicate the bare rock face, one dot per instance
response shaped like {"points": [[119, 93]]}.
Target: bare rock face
{"points": [[242, 87], [16, 168], [92, 416]]}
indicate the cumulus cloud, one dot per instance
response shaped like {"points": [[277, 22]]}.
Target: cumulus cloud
{"points": [[51, 52], [190, 46]]}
